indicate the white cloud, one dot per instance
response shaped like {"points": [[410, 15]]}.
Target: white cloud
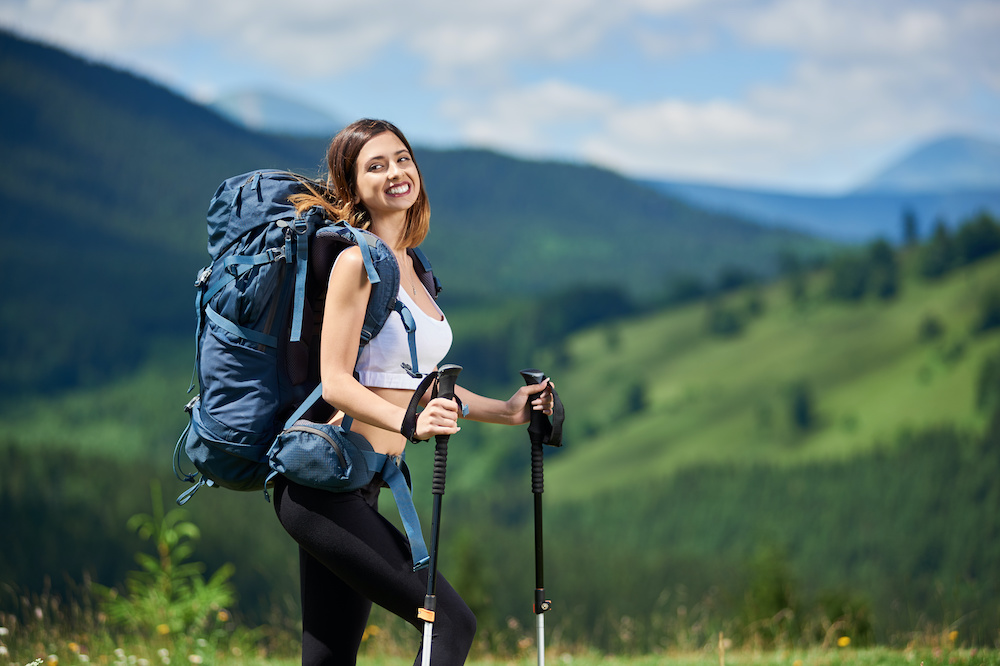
{"points": [[531, 120], [862, 74], [673, 138]]}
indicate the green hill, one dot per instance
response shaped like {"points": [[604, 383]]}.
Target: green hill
{"points": [[106, 179], [864, 367]]}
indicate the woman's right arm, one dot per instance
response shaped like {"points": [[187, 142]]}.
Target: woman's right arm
{"points": [[347, 296]]}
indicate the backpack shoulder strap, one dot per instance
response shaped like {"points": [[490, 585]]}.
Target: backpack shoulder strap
{"points": [[425, 272]]}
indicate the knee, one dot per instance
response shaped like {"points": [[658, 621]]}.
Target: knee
{"points": [[466, 624], [460, 629]]}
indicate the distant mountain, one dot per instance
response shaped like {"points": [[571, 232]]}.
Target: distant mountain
{"points": [[106, 179], [852, 218], [268, 112], [948, 180], [948, 164]]}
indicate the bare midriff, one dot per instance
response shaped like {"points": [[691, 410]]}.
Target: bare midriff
{"points": [[389, 442]]}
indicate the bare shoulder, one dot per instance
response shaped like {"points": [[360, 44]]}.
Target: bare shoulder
{"points": [[349, 268]]}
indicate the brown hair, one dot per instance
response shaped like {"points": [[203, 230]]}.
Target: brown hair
{"points": [[341, 183]]}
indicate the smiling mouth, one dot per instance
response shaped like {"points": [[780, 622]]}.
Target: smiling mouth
{"points": [[398, 190]]}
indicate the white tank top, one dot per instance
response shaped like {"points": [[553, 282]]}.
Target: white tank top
{"points": [[381, 362]]}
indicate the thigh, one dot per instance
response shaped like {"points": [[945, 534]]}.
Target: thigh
{"points": [[351, 539]]}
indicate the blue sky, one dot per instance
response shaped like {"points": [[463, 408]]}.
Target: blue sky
{"points": [[809, 95]]}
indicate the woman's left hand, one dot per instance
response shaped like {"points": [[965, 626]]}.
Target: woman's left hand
{"points": [[533, 397]]}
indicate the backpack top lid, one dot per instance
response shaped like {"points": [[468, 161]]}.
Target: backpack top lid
{"points": [[250, 200]]}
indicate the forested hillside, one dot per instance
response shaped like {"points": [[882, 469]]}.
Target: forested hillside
{"points": [[786, 462], [105, 180]]}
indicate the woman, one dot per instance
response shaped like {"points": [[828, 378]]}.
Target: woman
{"points": [[350, 556]]}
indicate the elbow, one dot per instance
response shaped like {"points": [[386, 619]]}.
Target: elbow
{"points": [[333, 388]]}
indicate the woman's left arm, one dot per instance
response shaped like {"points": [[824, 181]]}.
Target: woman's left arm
{"points": [[515, 411]]}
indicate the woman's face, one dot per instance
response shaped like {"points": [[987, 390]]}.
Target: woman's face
{"points": [[387, 178]]}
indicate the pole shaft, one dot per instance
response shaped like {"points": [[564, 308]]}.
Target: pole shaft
{"points": [[539, 549], [540, 631]]}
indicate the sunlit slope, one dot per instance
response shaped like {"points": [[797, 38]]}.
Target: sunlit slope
{"points": [[647, 397]]}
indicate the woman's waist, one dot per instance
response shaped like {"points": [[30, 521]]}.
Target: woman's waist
{"points": [[382, 440]]}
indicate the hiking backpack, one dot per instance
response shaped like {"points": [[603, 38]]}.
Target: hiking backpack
{"points": [[259, 310]]}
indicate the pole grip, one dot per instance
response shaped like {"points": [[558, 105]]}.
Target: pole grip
{"points": [[447, 376], [536, 431]]}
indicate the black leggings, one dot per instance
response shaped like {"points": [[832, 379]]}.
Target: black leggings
{"points": [[351, 556]]}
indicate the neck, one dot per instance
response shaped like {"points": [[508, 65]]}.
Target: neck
{"points": [[390, 230]]}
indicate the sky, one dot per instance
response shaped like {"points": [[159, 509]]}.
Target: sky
{"points": [[794, 95]]}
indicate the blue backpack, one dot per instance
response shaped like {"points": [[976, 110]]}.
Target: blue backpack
{"points": [[259, 309]]}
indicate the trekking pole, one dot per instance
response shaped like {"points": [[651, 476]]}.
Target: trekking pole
{"points": [[447, 375], [541, 432]]}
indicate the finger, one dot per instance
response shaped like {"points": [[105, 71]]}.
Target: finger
{"points": [[446, 404]]}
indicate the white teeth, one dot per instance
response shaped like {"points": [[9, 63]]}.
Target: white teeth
{"points": [[402, 188]]}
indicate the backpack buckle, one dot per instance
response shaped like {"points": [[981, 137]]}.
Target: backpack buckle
{"points": [[203, 276]]}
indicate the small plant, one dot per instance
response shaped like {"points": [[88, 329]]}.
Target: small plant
{"points": [[169, 595]]}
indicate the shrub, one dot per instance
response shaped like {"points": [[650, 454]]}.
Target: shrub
{"points": [[989, 312]]}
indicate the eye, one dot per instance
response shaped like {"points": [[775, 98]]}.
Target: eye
{"points": [[375, 167]]}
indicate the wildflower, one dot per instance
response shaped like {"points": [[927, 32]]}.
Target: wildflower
{"points": [[223, 616], [953, 636], [4, 631], [163, 653], [73, 647], [370, 631], [843, 641], [163, 629], [194, 658], [3, 651], [52, 660], [85, 658]]}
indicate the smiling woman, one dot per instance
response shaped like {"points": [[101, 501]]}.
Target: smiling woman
{"points": [[350, 556]]}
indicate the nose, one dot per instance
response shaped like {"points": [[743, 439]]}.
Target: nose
{"points": [[393, 171]]}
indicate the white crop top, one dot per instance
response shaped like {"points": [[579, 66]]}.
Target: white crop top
{"points": [[381, 362]]}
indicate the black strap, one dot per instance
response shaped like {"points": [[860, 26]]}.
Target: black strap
{"points": [[552, 430], [409, 427]]}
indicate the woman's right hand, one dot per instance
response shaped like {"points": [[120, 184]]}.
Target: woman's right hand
{"points": [[439, 417]]}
